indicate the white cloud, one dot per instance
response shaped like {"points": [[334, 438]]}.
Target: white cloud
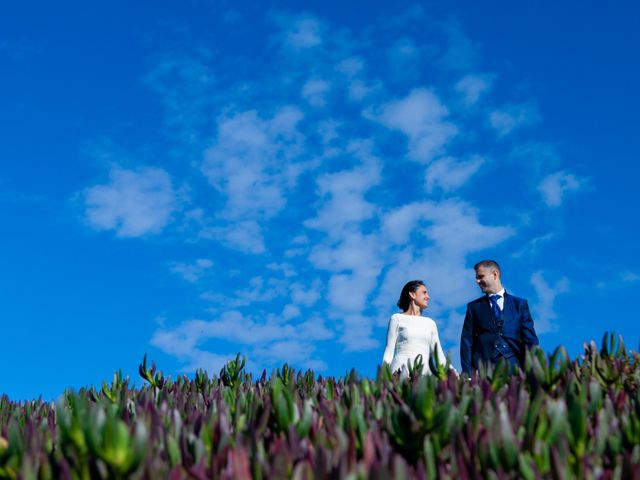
{"points": [[287, 269], [290, 311], [444, 234], [510, 117], [252, 161], [316, 329], [348, 292], [356, 263], [191, 272], [256, 290], [199, 359], [298, 354], [352, 258], [305, 294], [544, 312], [357, 234], [353, 252], [554, 187], [449, 174], [398, 224], [261, 289], [455, 228], [472, 87], [358, 89], [357, 334], [353, 69], [245, 236], [305, 33], [428, 240], [344, 202], [452, 230], [328, 131], [314, 92], [133, 203], [530, 249], [620, 279], [266, 343], [628, 276], [421, 116], [232, 327]]}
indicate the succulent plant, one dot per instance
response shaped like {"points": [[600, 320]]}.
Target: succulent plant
{"points": [[555, 418]]}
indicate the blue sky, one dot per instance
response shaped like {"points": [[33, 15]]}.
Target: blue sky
{"points": [[195, 179]]}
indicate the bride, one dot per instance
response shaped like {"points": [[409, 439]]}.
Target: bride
{"points": [[410, 334]]}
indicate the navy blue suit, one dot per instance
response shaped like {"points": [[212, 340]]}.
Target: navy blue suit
{"points": [[487, 338]]}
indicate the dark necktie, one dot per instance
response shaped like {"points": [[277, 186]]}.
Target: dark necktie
{"points": [[495, 309]]}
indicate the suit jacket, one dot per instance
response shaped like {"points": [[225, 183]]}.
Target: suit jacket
{"points": [[481, 337]]}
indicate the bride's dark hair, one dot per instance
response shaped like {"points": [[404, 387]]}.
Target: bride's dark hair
{"points": [[405, 300]]}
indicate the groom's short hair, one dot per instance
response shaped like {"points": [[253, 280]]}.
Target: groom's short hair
{"points": [[488, 264]]}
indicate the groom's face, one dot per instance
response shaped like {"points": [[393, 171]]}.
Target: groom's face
{"points": [[488, 279]]}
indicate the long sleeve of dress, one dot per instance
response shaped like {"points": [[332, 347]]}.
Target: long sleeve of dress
{"points": [[392, 336], [437, 347]]}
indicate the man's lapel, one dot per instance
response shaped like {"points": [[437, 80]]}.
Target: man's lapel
{"points": [[485, 313], [509, 309]]}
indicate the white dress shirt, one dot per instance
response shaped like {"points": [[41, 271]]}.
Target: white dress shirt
{"points": [[500, 300]]}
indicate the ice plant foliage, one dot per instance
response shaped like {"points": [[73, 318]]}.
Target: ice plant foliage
{"points": [[557, 418]]}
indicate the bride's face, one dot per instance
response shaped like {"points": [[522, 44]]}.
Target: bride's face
{"points": [[421, 297]]}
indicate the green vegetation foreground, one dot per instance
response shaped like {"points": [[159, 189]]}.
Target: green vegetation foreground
{"points": [[556, 419]]}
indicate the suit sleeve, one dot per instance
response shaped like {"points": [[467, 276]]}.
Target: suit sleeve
{"points": [[466, 341], [527, 332], [392, 336]]}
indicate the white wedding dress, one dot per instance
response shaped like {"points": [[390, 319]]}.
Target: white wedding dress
{"points": [[407, 337]]}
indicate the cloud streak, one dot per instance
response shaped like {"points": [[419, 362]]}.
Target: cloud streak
{"points": [[448, 174], [345, 167], [192, 272], [133, 203], [270, 342], [422, 117], [547, 293], [556, 186], [511, 117]]}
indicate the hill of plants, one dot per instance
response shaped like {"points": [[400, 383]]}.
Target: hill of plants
{"points": [[556, 418]]}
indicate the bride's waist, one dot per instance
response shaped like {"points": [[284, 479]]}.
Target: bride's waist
{"points": [[412, 349]]}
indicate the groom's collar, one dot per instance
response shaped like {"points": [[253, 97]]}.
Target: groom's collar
{"points": [[501, 293]]}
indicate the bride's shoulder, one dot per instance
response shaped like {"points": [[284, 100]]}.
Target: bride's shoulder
{"points": [[400, 318], [430, 320]]}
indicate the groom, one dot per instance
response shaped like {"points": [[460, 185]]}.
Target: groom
{"points": [[497, 325]]}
